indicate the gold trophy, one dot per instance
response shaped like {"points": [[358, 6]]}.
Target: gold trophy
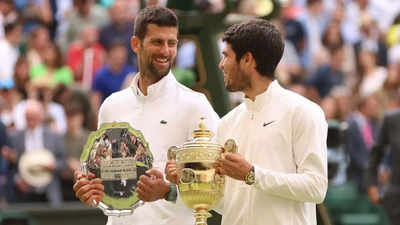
{"points": [[200, 187]]}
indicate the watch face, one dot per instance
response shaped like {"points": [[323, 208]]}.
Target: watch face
{"points": [[250, 178]]}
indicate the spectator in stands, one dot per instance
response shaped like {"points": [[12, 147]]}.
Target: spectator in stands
{"points": [[373, 76], [332, 38], [9, 50], [37, 136], [85, 13], [21, 77], [54, 113], [53, 70], [388, 141], [360, 137], [38, 42], [8, 99], [370, 35], [75, 140], [120, 29], [86, 56], [35, 12], [330, 75], [7, 157], [111, 76], [7, 14], [314, 22]]}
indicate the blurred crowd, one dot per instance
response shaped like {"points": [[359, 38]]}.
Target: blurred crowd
{"points": [[59, 59]]}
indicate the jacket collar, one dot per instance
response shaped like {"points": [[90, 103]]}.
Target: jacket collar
{"points": [[262, 99], [155, 90]]}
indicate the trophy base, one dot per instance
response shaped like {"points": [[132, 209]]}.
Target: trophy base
{"points": [[201, 216], [116, 212]]}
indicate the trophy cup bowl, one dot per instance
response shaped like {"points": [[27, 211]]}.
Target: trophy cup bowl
{"points": [[200, 187]]}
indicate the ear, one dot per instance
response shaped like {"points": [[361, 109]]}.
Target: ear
{"points": [[247, 59], [135, 44]]}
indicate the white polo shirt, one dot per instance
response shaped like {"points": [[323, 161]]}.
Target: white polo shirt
{"points": [[166, 117], [284, 136]]}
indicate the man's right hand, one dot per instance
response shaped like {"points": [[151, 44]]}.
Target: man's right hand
{"points": [[373, 194], [88, 189]]}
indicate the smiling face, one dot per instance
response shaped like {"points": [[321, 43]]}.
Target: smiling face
{"points": [[156, 51], [234, 76]]}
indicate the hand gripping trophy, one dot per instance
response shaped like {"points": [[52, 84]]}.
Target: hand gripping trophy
{"points": [[200, 187]]}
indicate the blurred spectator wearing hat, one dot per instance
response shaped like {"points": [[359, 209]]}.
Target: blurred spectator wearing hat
{"points": [[34, 137]]}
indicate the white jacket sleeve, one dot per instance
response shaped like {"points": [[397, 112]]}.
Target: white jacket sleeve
{"points": [[309, 182]]}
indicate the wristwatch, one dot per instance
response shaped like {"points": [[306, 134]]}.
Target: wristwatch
{"points": [[250, 177], [172, 194]]}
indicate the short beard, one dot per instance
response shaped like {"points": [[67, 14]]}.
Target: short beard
{"points": [[242, 83], [156, 73], [150, 71]]}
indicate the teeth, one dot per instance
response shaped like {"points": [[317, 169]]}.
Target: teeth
{"points": [[162, 60]]}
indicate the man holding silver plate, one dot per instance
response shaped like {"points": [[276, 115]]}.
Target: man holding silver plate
{"points": [[137, 125]]}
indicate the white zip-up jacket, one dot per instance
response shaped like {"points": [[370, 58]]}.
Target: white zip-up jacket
{"points": [[167, 116], [284, 136]]}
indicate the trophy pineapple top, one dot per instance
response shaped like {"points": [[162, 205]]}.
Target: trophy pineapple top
{"points": [[202, 132]]}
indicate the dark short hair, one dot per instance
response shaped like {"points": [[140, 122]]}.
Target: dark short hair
{"points": [[10, 2], [159, 16], [310, 2], [10, 27], [261, 39], [115, 44]]}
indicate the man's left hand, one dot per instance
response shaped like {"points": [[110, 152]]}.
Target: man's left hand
{"points": [[152, 187], [233, 165]]}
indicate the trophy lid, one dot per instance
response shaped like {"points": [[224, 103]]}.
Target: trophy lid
{"points": [[202, 132], [202, 137]]}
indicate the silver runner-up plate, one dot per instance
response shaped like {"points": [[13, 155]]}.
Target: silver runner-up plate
{"points": [[119, 155]]}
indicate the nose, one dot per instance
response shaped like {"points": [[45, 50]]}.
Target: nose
{"points": [[164, 49], [221, 64]]}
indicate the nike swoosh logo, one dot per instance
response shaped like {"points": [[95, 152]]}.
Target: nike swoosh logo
{"points": [[266, 124]]}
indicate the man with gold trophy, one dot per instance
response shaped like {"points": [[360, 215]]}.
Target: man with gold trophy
{"points": [[200, 186], [157, 112], [280, 171]]}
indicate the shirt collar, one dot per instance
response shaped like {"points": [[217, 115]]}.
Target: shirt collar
{"points": [[155, 90], [36, 130], [261, 99]]}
